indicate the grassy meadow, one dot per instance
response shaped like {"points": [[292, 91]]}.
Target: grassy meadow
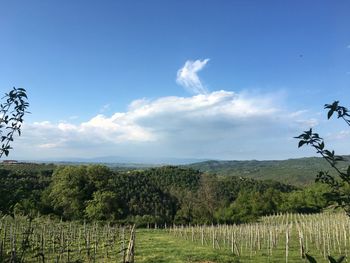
{"points": [[158, 246]]}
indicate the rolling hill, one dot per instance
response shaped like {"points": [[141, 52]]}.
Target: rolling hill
{"points": [[300, 171]]}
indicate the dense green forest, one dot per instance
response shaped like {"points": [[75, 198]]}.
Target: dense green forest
{"points": [[159, 195], [300, 172]]}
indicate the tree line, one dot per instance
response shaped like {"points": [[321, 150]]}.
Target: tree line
{"points": [[160, 195]]}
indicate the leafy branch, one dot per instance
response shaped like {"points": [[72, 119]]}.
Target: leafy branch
{"points": [[331, 259], [12, 111], [339, 192], [342, 112]]}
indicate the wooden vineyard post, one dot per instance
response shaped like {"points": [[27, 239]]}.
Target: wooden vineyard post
{"points": [[202, 236], [287, 243], [232, 243], [213, 235], [192, 236], [131, 247], [345, 240], [301, 241], [123, 243]]}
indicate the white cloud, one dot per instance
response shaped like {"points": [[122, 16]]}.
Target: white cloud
{"points": [[339, 135], [48, 145], [74, 117], [217, 124], [297, 113], [343, 135], [188, 78], [307, 123]]}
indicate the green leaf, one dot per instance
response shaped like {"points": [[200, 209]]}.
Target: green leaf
{"points": [[331, 260], [309, 132], [310, 258], [328, 153], [339, 158], [301, 143], [321, 145], [330, 113], [340, 259]]}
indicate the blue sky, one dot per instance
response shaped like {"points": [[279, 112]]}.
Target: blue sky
{"points": [[193, 79]]}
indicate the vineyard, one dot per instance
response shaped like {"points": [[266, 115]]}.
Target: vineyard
{"points": [[279, 238], [44, 240]]}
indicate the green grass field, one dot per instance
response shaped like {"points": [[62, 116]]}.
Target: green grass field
{"points": [[153, 246], [159, 246]]}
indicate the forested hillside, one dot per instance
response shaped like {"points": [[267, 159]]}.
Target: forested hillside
{"points": [[160, 195], [298, 172]]}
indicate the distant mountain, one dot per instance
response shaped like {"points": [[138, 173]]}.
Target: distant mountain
{"points": [[292, 171], [297, 172], [127, 161]]}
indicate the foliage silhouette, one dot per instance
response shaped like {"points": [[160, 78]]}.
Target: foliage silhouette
{"points": [[340, 185], [330, 259], [12, 111]]}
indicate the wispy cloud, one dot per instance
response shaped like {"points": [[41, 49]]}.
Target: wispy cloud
{"points": [[308, 123], [73, 117], [105, 108], [341, 135], [188, 78]]}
